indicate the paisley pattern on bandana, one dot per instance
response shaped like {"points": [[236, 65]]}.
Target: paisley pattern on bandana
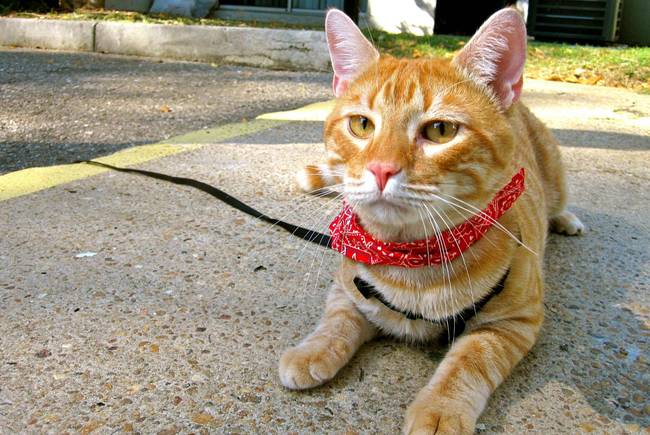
{"points": [[351, 240]]}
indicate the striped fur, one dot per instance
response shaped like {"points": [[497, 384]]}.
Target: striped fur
{"points": [[493, 142]]}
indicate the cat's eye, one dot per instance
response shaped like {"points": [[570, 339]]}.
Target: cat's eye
{"points": [[361, 127], [440, 131]]}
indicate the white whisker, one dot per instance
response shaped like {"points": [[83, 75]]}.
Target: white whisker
{"points": [[488, 218], [469, 279], [444, 268], [478, 213]]}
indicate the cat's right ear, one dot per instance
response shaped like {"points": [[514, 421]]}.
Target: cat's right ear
{"points": [[496, 54], [350, 51]]}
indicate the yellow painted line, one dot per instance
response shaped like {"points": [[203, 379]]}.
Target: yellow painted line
{"points": [[311, 112], [32, 180]]}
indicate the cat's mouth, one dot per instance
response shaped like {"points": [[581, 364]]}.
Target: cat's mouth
{"points": [[389, 203], [383, 203], [384, 209], [373, 199]]}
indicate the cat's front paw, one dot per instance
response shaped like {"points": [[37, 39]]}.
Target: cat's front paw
{"points": [[307, 365], [437, 418], [567, 223], [314, 178]]}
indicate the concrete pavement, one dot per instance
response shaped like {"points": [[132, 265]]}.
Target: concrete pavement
{"points": [[129, 304]]}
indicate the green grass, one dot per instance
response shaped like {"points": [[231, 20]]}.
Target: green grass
{"points": [[618, 66], [135, 17]]}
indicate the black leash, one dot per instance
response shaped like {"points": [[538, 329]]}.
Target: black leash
{"points": [[457, 322], [454, 324], [298, 231]]}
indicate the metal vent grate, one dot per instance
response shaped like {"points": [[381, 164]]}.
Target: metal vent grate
{"points": [[596, 20]]}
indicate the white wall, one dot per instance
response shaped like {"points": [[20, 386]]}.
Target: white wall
{"points": [[396, 16]]}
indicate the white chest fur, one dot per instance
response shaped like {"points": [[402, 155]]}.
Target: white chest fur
{"points": [[435, 302]]}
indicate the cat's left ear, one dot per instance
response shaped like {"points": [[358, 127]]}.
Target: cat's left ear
{"points": [[350, 51], [496, 54]]}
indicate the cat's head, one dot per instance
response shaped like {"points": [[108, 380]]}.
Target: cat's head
{"points": [[406, 132]]}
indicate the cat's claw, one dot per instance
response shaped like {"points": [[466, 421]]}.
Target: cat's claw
{"points": [[567, 223]]}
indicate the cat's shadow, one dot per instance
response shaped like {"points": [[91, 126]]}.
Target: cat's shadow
{"points": [[592, 344]]}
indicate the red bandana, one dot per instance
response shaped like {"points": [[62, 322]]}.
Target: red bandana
{"points": [[351, 240]]}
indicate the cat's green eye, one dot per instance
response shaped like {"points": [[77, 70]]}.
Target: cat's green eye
{"points": [[361, 127], [440, 131]]}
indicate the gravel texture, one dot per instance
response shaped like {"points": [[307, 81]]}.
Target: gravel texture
{"points": [[61, 107]]}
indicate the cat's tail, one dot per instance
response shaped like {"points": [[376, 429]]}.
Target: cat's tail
{"points": [[316, 178]]}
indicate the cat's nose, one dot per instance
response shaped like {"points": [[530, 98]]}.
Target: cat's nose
{"points": [[383, 172]]}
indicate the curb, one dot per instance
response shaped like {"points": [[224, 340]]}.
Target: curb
{"points": [[50, 34], [269, 48]]}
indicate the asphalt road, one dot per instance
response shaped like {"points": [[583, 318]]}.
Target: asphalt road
{"points": [[60, 107]]}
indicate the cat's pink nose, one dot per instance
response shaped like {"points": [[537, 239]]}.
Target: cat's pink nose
{"points": [[383, 172]]}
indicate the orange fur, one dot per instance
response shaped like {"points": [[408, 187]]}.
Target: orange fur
{"points": [[398, 95]]}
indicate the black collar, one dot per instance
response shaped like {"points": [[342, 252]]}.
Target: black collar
{"points": [[455, 325]]}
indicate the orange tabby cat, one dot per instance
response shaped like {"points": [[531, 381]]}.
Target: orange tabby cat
{"points": [[420, 146]]}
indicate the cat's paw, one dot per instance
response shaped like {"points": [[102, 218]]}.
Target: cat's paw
{"points": [[316, 178], [438, 423], [307, 178], [436, 417], [308, 365], [567, 223], [310, 179]]}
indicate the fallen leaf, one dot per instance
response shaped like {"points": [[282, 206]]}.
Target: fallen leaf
{"points": [[554, 78], [578, 72], [536, 52], [594, 79]]}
